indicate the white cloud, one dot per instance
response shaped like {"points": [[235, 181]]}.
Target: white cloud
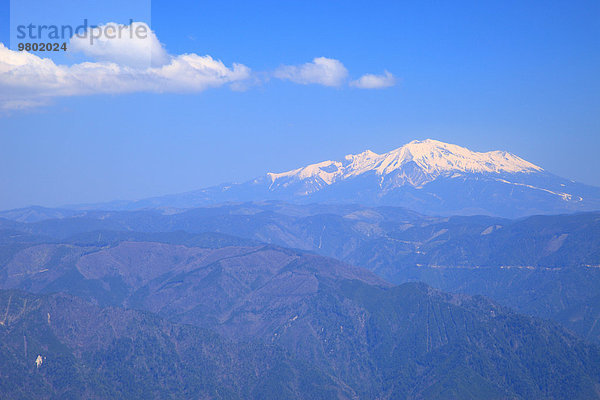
{"points": [[133, 45], [21, 104], [26, 79], [126, 63], [372, 81], [322, 71]]}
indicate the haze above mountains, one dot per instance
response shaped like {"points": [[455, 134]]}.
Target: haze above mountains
{"points": [[428, 176]]}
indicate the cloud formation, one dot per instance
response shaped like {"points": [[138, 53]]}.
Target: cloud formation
{"points": [[129, 63], [322, 71], [28, 79], [371, 81], [133, 45]]}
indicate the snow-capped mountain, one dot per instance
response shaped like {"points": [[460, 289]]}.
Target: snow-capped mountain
{"points": [[416, 163], [427, 176]]}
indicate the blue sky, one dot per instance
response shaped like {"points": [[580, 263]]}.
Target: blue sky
{"points": [[485, 75]]}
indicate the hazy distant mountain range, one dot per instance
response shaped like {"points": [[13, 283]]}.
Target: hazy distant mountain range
{"points": [[547, 266], [427, 176]]}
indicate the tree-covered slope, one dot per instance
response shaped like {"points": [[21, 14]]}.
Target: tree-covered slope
{"points": [[372, 340], [98, 353]]}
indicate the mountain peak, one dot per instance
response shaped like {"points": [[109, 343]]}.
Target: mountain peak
{"points": [[417, 162], [434, 156], [427, 176]]}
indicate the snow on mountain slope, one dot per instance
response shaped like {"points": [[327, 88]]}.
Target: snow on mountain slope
{"points": [[431, 158], [429, 176]]}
